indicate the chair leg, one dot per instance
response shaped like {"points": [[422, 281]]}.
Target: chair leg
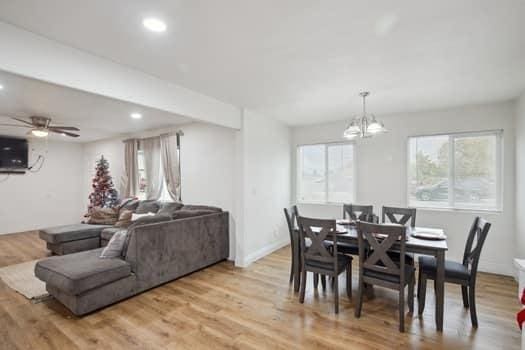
{"points": [[402, 310], [336, 294], [419, 273], [422, 294], [323, 282], [359, 304], [297, 279], [303, 286], [292, 270], [472, 302], [411, 293], [464, 293], [349, 280], [316, 280]]}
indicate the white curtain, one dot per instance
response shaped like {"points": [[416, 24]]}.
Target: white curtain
{"points": [[170, 164], [130, 179], [151, 149]]}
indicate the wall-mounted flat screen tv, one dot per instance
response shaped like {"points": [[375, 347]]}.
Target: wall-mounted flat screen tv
{"points": [[13, 154]]}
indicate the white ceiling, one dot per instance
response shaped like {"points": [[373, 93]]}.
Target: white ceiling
{"points": [[96, 116], [304, 61]]}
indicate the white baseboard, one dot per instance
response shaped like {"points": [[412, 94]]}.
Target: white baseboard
{"points": [[261, 253], [498, 268]]}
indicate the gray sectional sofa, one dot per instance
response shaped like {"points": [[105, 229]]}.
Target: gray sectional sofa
{"points": [[155, 254]]}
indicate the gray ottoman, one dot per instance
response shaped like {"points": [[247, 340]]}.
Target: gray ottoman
{"points": [[69, 239]]}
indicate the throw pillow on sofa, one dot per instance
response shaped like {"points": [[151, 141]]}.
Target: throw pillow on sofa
{"points": [[103, 216], [129, 203], [136, 216], [147, 206], [124, 218], [115, 245], [169, 208], [149, 219]]}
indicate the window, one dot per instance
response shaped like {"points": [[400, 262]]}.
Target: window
{"points": [[325, 173], [164, 195], [458, 171]]}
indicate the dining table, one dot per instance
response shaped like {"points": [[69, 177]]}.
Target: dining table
{"points": [[347, 233]]}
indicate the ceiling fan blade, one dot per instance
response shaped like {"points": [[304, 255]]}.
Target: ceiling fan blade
{"points": [[22, 121], [72, 128], [16, 125], [63, 132]]}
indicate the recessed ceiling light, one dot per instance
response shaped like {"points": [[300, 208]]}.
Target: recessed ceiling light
{"points": [[154, 24], [136, 115], [1, 87]]}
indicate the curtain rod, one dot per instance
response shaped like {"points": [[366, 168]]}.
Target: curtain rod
{"points": [[171, 133]]}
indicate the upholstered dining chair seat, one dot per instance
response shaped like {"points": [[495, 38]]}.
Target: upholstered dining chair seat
{"points": [[342, 263], [388, 277], [452, 269], [348, 248]]}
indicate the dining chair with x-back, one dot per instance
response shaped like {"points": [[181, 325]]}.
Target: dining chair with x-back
{"points": [[463, 273], [322, 259], [376, 267]]}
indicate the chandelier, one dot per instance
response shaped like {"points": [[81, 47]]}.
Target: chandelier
{"points": [[364, 125]]}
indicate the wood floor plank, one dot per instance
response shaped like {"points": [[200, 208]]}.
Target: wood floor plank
{"points": [[225, 307]]}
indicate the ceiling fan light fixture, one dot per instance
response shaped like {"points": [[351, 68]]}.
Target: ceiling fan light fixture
{"points": [[39, 132]]}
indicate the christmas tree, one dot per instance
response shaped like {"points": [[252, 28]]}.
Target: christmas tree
{"points": [[104, 194]]}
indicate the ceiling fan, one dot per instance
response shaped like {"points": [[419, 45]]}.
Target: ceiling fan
{"points": [[41, 126]]}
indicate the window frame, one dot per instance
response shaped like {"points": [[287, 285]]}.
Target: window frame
{"points": [[298, 166], [452, 136]]}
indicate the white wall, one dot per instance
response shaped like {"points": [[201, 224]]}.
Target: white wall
{"points": [[207, 165], [520, 175], [264, 187], [382, 174], [50, 197]]}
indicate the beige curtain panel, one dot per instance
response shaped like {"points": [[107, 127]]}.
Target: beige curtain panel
{"points": [[130, 180]]}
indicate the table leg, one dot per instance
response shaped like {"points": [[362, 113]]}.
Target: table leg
{"points": [[440, 289]]}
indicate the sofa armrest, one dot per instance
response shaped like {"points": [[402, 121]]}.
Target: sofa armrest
{"points": [[161, 252]]}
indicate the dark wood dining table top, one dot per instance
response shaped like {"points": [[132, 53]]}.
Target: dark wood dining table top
{"points": [[349, 233]]}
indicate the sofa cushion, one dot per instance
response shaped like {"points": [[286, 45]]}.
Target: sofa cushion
{"points": [[115, 245], [76, 273], [202, 207], [103, 216], [183, 214], [169, 208], [129, 204], [69, 233], [124, 218], [147, 206], [149, 219], [108, 232]]}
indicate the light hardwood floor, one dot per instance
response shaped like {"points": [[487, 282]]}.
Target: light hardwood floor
{"points": [[254, 308]]}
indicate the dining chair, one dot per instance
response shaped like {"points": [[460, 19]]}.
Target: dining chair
{"points": [[377, 268], [399, 215], [320, 259], [291, 216], [463, 273], [356, 212]]}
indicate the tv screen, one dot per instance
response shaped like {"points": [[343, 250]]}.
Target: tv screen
{"points": [[13, 154]]}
